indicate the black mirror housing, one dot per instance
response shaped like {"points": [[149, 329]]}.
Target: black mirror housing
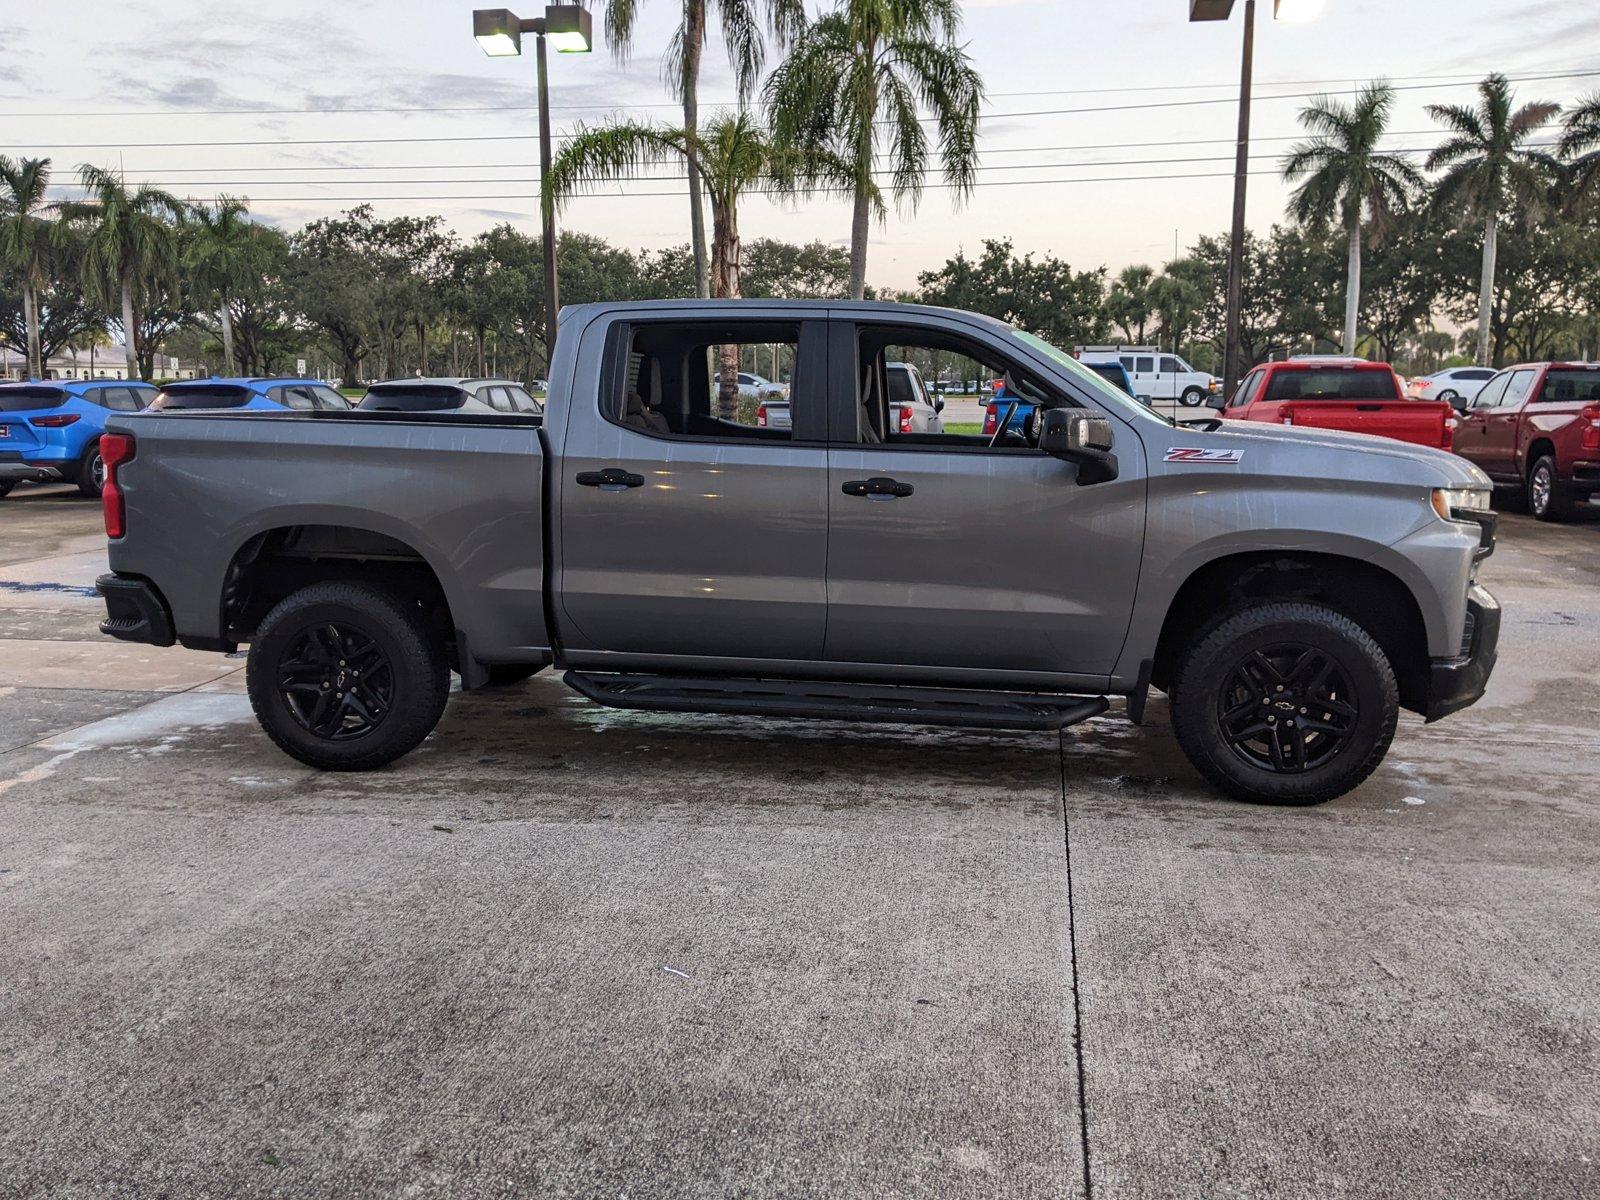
{"points": [[1084, 438]]}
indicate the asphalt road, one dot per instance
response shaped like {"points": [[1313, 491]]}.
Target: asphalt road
{"points": [[566, 951]]}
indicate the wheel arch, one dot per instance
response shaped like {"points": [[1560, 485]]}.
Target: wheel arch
{"points": [[1375, 598]]}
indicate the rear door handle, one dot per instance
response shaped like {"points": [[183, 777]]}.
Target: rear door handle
{"points": [[611, 479], [879, 487]]}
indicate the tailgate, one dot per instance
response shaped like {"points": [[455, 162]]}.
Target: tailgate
{"points": [[16, 434], [1414, 421]]}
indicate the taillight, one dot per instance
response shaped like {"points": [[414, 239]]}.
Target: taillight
{"points": [[1288, 418], [905, 420], [55, 422], [761, 416], [1590, 417], [990, 418], [115, 449]]}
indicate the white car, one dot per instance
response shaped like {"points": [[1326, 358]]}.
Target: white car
{"points": [[912, 408], [1163, 381], [1456, 386], [753, 386]]}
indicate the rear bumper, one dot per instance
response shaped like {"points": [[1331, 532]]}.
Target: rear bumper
{"points": [[1455, 683], [135, 610], [29, 472]]}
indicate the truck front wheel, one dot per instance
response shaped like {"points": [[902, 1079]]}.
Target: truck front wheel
{"points": [[344, 676], [1285, 703]]}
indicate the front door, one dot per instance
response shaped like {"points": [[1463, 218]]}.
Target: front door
{"points": [[1502, 422], [687, 528], [1472, 439], [946, 552]]}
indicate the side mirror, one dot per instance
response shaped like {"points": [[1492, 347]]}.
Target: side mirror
{"points": [[1459, 403], [1079, 437], [938, 404]]}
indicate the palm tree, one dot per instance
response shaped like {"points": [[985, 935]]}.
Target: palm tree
{"points": [[1580, 149], [1488, 166], [1129, 302], [741, 30], [25, 238], [872, 62], [218, 255], [736, 154], [128, 241], [1347, 177]]}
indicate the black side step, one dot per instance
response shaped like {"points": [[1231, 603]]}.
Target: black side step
{"points": [[838, 701]]}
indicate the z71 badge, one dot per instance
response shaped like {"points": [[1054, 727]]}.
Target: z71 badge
{"points": [[1198, 454]]}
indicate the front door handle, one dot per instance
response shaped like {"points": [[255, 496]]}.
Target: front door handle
{"points": [[879, 487], [611, 479]]}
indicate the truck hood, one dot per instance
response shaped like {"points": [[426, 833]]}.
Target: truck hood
{"points": [[1334, 453]]}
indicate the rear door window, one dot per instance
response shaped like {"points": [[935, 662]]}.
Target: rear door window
{"points": [[1144, 365]]}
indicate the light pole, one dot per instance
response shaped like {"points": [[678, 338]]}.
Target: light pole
{"points": [[568, 28], [1220, 10]]}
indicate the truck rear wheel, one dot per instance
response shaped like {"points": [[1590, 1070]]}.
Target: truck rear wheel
{"points": [[344, 677], [1285, 703], [1547, 499]]}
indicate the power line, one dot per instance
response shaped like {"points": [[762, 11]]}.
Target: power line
{"points": [[267, 111], [524, 137]]}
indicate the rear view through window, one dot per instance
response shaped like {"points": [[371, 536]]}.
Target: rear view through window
{"points": [[205, 395], [1358, 383], [28, 399]]}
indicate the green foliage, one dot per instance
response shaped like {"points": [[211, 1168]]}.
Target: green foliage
{"points": [[1043, 295]]}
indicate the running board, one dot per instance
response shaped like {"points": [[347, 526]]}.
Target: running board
{"points": [[838, 701]]}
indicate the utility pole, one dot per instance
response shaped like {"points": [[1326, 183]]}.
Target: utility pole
{"points": [[1241, 169]]}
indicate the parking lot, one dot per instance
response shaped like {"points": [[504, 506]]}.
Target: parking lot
{"points": [[565, 950]]}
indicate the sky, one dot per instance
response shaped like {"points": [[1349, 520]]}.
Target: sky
{"points": [[1107, 133]]}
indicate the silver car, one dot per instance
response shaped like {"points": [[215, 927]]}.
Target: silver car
{"points": [[915, 408], [451, 393]]}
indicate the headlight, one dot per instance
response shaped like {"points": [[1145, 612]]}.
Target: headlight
{"points": [[1468, 499]]}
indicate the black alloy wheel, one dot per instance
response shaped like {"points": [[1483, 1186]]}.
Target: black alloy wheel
{"points": [[1287, 708], [336, 681]]}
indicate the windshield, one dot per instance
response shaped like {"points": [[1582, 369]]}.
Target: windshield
{"points": [[1075, 368]]}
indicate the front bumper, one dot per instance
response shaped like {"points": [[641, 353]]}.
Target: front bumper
{"points": [[135, 610], [1455, 683]]}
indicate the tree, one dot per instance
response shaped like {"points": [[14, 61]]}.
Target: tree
{"points": [[331, 277], [735, 153], [786, 271], [881, 61], [129, 243], [1130, 303], [1580, 150], [1175, 299], [218, 257], [62, 313], [1348, 179], [25, 240], [1044, 296], [741, 31], [1487, 168]]}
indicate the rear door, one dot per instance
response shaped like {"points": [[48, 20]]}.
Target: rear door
{"points": [[685, 531], [945, 552]]}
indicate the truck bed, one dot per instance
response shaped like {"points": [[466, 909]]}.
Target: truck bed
{"points": [[241, 481]]}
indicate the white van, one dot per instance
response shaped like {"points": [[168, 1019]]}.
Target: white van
{"points": [[1163, 381]]}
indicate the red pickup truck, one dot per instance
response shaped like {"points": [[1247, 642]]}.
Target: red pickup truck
{"points": [[1348, 394], [1536, 426]]}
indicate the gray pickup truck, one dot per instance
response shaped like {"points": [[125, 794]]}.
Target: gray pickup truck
{"points": [[1289, 590]]}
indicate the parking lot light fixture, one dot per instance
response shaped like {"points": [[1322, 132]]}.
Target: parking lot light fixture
{"points": [[1220, 10], [569, 28]]}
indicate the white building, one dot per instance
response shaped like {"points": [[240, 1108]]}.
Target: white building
{"points": [[106, 362]]}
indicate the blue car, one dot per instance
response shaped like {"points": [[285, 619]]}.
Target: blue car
{"points": [[251, 395], [50, 431], [1112, 372]]}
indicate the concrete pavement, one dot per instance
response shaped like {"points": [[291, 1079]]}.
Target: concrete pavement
{"points": [[562, 950]]}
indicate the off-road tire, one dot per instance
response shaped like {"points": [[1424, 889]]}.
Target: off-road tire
{"points": [[506, 674], [419, 677], [89, 479], [1200, 690], [1548, 500]]}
